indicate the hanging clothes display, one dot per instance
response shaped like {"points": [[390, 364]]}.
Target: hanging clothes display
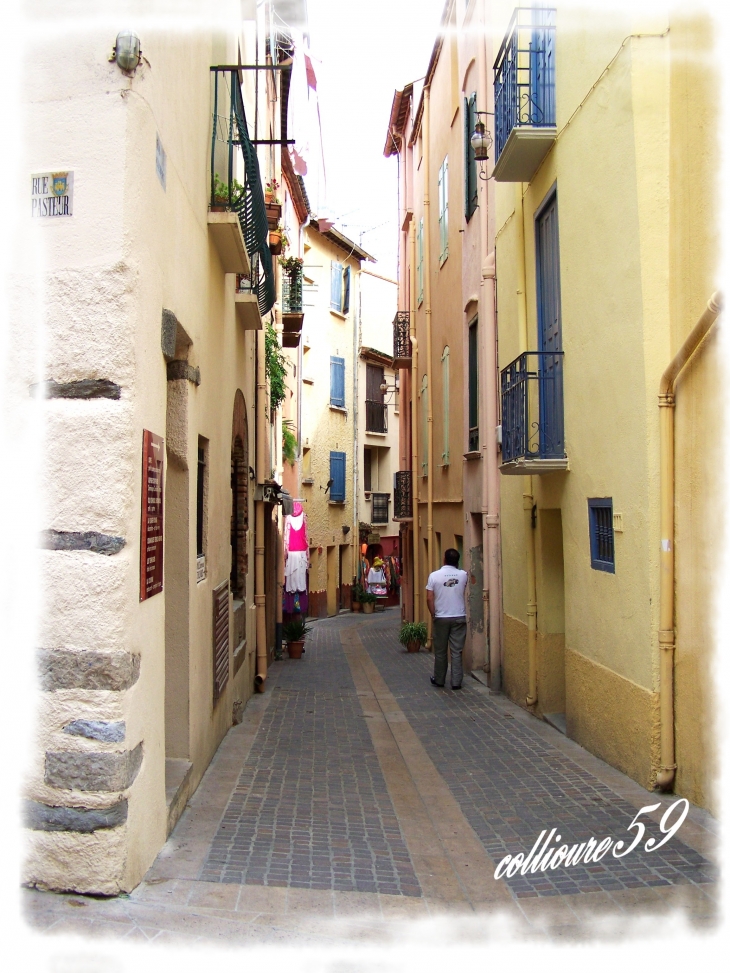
{"points": [[296, 563]]}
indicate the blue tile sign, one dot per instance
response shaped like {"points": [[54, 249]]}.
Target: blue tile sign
{"points": [[52, 194]]}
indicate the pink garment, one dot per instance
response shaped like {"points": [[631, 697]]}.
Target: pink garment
{"points": [[296, 533]]}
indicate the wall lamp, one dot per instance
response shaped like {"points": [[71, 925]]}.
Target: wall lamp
{"points": [[481, 141], [127, 51], [385, 389]]}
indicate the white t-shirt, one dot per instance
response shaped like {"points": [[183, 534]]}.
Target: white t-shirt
{"points": [[448, 585]]}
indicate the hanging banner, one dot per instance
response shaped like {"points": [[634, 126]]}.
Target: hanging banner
{"points": [[151, 538]]}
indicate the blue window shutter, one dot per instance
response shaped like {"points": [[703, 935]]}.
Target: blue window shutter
{"points": [[336, 286], [337, 381], [337, 474], [346, 291]]}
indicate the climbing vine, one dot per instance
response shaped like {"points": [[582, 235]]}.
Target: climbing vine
{"points": [[276, 367]]}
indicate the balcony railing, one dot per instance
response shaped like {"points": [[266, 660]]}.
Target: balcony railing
{"points": [[376, 416], [402, 351], [230, 130], [532, 413], [524, 83], [403, 496], [292, 279]]}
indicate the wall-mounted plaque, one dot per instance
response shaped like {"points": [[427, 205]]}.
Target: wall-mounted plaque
{"points": [[52, 194], [151, 540]]}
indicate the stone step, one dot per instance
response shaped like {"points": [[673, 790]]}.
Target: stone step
{"points": [[178, 774], [557, 720]]}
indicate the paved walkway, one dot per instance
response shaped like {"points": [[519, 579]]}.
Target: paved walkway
{"points": [[355, 799]]}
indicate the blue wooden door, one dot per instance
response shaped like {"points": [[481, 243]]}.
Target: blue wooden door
{"points": [[550, 365]]}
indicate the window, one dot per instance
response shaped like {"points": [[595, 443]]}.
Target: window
{"points": [[473, 387], [444, 210], [337, 475], [600, 523], [419, 260], [336, 286], [470, 162], [202, 489], [367, 473], [337, 382], [340, 288], [379, 510], [424, 425], [376, 411], [446, 404]]}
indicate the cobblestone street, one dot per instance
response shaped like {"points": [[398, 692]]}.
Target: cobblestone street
{"points": [[355, 799]]}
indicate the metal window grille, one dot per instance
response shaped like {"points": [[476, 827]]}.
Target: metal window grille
{"points": [[403, 495], [379, 509], [600, 517]]}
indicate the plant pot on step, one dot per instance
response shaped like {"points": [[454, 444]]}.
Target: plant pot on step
{"points": [[295, 649], [356, 606], [414, 646], [368, 607]]}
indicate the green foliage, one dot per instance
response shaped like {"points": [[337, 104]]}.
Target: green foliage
{"points": [[289, 444], [220, 192], [295, 630], [290, 263], [276, 367], [367, 598], [357, 592], [413, 632]]}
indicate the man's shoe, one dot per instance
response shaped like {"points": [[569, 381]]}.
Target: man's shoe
{"points": [[456, 687], [434, 683]]}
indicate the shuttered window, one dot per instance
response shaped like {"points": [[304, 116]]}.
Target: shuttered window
{"points": [[419, 260], [346, 291], [337, 475], [337, 381], [220, 639], [446, 404], [600, 520], [473, 388], [470, 162], [336, 287], [444, 210]]}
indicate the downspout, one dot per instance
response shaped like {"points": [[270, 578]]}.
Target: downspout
{"points": [[356, 340], [668, 768], [261, 466], [414, 429], [528, 499], [427, 309]]}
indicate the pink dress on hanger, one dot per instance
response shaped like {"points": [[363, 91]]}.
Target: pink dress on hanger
{"points": [[296, 550]]}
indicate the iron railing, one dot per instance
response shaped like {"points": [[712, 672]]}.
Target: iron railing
{"points": [[401, 336], [376, 416], [403, 495], [524, 74], [292, 278], [229, 130], [532, 407]]}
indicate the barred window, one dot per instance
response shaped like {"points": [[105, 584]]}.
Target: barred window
{"points": [[379, 510], [600, 520]]}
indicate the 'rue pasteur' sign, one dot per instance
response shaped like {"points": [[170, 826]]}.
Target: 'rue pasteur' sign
{"points": [[150, 575], [52, 194]]}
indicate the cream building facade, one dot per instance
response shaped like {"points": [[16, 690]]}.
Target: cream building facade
{"points": [[150, 385]]}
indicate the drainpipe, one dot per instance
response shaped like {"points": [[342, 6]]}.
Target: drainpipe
{"points": [[414, 429], [667, 772], [527, 494], [427, 308], [356, 342], [261, 466]]}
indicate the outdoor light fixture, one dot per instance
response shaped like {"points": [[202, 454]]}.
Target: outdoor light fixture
{"points": [[127, 51], [481, 141], [386, 389]]}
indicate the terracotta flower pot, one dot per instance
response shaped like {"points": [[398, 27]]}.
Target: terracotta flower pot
{"points": [[295, 649], [368, 607], [356, 606], [275, 243], [414, 646]]}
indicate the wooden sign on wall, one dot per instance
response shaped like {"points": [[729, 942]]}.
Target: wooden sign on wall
{"points": [[151, 539]]}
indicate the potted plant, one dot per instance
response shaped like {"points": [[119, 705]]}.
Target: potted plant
{"points": [[413, 635], [368, 600], [294, 633], [270, 195], [356, 597], [273, 204], [222, 200], [275, 239]]}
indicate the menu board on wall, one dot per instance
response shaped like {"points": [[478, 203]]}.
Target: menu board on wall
{"points": [[150, 575]]}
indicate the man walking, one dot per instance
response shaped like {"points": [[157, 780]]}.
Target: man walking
{"points": [[446, 600]]}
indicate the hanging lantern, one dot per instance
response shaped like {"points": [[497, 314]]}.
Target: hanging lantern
{"points": [[481, 141]]}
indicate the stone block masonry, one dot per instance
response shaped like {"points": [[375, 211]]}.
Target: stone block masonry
{"points": [[67, 669], [43, 817], [97, 730], [89, 540], [93, 771]]}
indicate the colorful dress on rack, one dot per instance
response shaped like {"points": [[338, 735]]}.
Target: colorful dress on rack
{"points": [[296, 553]]}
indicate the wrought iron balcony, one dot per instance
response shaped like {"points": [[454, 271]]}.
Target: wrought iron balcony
{"points": [[292, 279], [524, 94], [246, 199], [532, 414], [376, 416], [403, 496], [402, 351]]}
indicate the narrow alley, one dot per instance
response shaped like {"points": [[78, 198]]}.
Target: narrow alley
{"points": [[354, 799]]}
